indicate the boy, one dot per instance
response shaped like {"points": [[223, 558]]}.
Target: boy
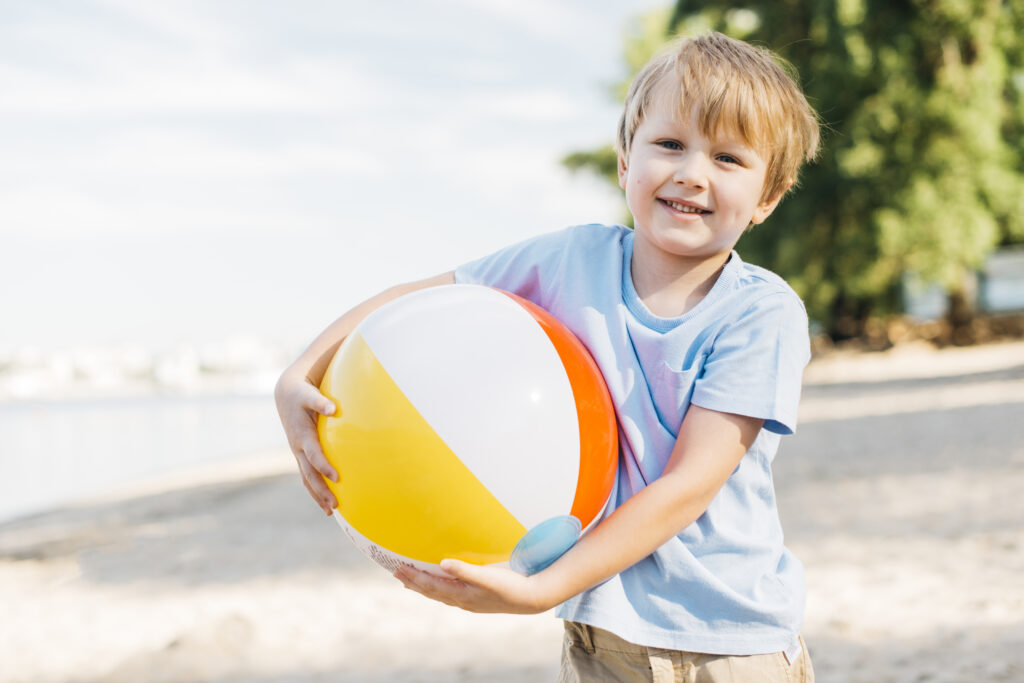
{"points": [[686, 575]]}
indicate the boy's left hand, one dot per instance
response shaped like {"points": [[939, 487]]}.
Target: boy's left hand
{"points": [[476, 589]]}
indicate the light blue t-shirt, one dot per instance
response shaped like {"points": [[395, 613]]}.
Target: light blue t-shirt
{"points": [[726, 584]]}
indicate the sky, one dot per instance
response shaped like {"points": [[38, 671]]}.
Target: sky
{"points": [[183, 172]]}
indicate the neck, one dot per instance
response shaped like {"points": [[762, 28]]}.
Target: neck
{"points": [[669, 286]]}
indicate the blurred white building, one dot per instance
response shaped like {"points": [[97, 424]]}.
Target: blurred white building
{"points": [[240, 365]]}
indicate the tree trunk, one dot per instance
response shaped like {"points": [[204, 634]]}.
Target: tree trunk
{"points": [[960, 313]]}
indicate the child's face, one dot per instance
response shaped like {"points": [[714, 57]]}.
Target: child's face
{"points": [[691, 196]]}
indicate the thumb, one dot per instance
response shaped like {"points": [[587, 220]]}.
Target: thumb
{"points": [[315, 400], [460, 570], [329, 408]]}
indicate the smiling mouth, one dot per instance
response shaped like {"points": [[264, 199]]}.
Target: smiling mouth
{"points": [[684, 208]]}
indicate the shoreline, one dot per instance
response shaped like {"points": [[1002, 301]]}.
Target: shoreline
{"points": [[902, 503], [913, 360]]}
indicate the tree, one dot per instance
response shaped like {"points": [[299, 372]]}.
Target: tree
{"points": [[922, 170], [646, 35]]}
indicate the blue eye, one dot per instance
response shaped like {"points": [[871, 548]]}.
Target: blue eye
{"points": [[669, 144], [728, 158]]}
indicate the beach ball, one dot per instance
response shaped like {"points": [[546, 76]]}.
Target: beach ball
{"points": [[472, 425]]}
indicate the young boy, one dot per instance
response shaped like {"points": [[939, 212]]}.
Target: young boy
{"points": [[687, 574]]}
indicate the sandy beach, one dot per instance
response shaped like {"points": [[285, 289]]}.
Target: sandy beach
{"points": [[902, 492]]}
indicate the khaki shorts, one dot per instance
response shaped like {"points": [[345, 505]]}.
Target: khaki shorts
{"points": [[592, 654]]}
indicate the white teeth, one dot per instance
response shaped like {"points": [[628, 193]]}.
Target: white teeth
{"points": [[684, 208]]}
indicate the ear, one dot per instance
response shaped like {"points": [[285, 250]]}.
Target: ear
{"points": [[622, 170], [765, 208]]}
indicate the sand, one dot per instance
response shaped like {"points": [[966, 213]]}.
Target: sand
{"points": [[903, 494]]}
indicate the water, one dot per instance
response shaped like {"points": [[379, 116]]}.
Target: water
{"points": [[55, 452]]}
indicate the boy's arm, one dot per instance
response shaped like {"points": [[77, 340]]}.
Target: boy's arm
{"points": [[299, 400], [709, 448]]}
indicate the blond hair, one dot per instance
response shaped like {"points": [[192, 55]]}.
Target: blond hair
{"points": [[736, 88]]}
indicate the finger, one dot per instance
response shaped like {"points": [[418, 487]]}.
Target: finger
{"points": [[463, 571], [478, 576], [321, 502], [429, 585], [314, 483], [417, 577], [315, 456], [312, 399]]}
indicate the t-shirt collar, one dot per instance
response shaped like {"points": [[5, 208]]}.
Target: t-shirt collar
{"points": [[641, 312]]}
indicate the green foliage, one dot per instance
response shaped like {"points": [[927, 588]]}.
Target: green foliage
{"points": [[644, 36], [922, 169], [601, 161]]}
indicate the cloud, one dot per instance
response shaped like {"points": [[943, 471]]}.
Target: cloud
{"points": [[186, 86], [48, 212], [129, 58], [168, 153], [222, 140], [540, 18], [527, 105]]}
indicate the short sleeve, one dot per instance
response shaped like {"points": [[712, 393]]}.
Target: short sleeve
{"points": [[755, 367], [529, 268]]}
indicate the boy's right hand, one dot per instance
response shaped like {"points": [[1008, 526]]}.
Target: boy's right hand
{"points": [[299, 403]]}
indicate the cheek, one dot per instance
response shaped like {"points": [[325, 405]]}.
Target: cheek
{"points": [[638, 193], [641, 185], [744, 201]]}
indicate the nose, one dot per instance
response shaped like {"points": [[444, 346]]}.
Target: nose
{"points": [[691, 171]]}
